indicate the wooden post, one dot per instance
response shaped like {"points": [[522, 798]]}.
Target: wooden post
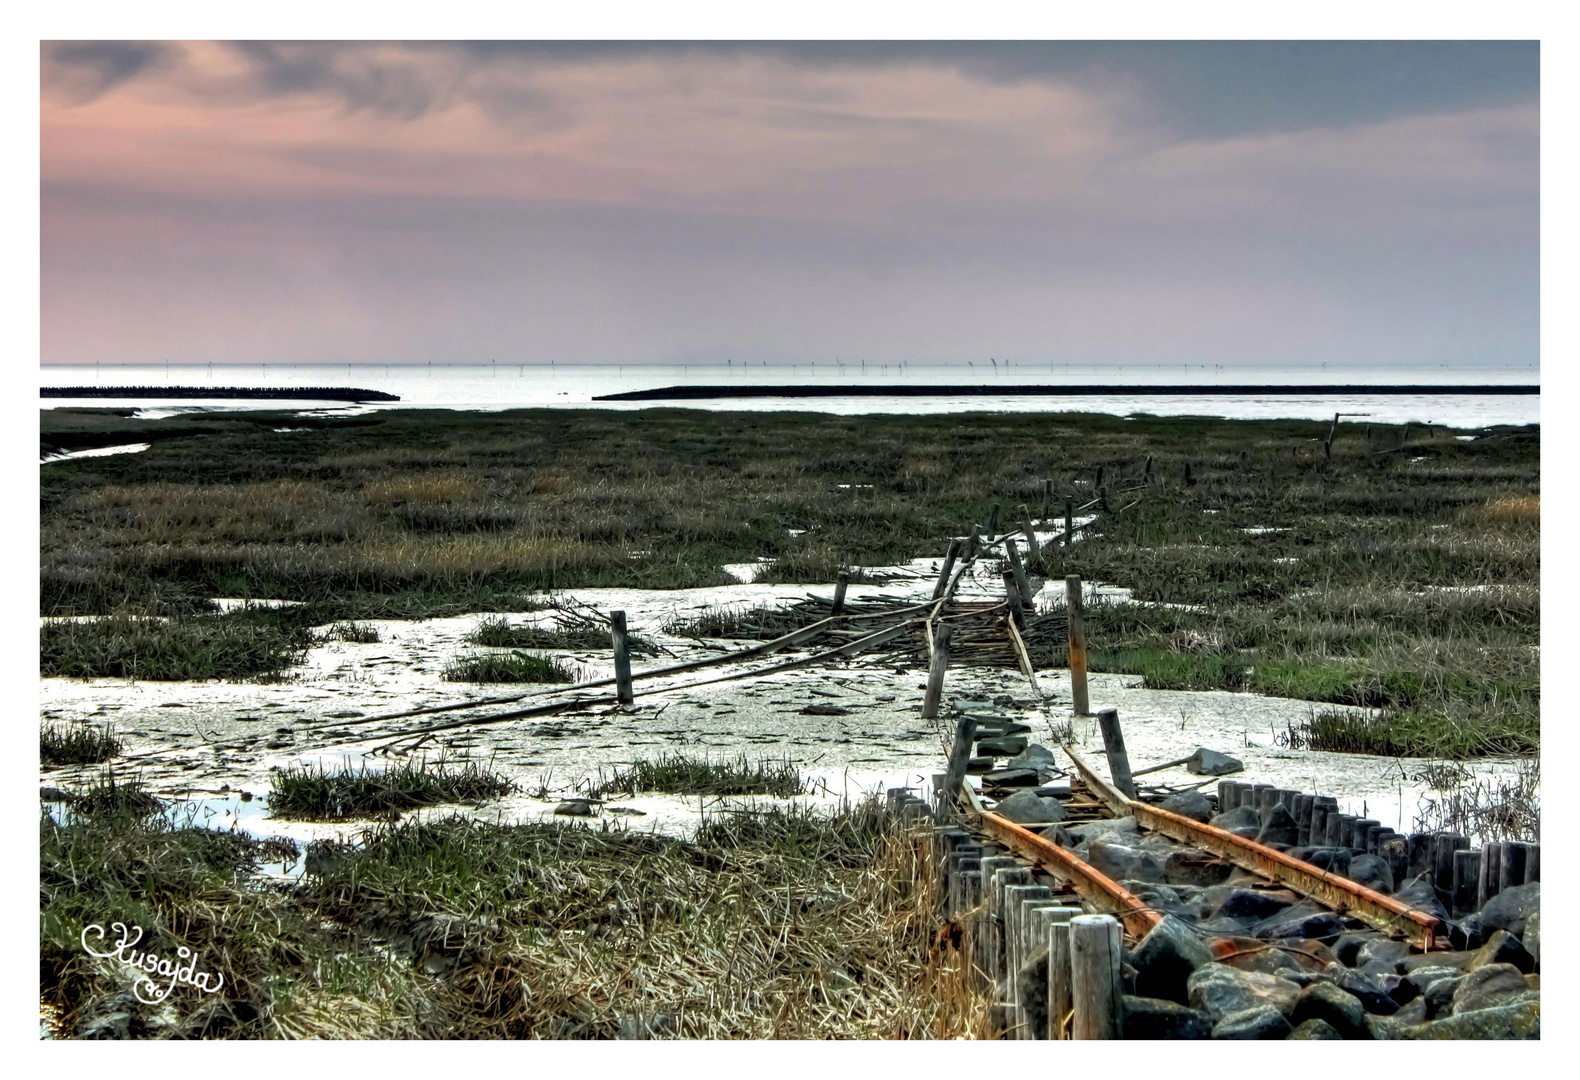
{"points": [[992, 522], [1095, 984], [1077, 632], [1047, 497], [959, 757], [935, 674], [1114, 746], [1012, 593], [970, 547], [1488, 875], [1467, 872], [1059, 993], [949, 568], [1511, 868], [839, 593], [1016, 568], [1149, 469], [1033, 549], [1189, 479], [622, 659], [1098, 486], [1069, 523]]}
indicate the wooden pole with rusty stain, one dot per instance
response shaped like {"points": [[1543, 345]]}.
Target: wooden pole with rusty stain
{"points": [[949, 568], [840, 584], [935, 673], [622, 659], [1077, 632], [1096, 986], [959, 758]]}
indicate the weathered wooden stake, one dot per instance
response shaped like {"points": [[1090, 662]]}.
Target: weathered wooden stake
{"points": [[1114, 746], [970, 547], [1467, 873], [992, 522], [959, 757], [1012, 552], [1069, 523], [1077, 632], [1033, 549], [1047, 497], [840, 583], [1017, 610], [1149, 469], [935, 674], [1059, 990], [622, 659], [1189, 479], [948, 568], [1095, 982]]}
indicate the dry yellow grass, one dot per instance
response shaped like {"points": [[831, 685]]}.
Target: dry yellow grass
{"points": [[424, 488], [1513, 510]]}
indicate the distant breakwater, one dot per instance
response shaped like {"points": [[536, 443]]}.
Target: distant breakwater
{"points": [[671, 393], [293, 393]]}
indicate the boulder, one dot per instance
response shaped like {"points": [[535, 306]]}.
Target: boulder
{"points": [[1059, 835], [1191, 804], [1267, 961], [1458, 961], [1420, 894], [1324, 926], [1371, 871], [1532, 937], [1502, 948], [1003, 746], [1154, 1018], [1439, 994], [1412, 1013], [1487, 987], [1347, 950], [1026, 808], [1195, 868], [1252, 905], [1278, 826], [1205, 762], [1218, 990], [1333, 859], [1341, 1010], [1243, 821], [1115, 830], [1520, 1020], [1365, 989], [1258, 1022], [1510, 908], [1315, 1029], [1165, 959], [1422, 977], [1035, 756], [1124, 863], [575, 808], [1380, 951], [1011, 777]]}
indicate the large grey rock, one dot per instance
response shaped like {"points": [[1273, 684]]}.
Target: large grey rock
{"points": [[1059, 835], [1155, 1018], [575, 808], [1439, 994], [1205, 762], [1503, 948], [1035, 756], [1027, 808], [1243, 821], [1004, 746], [1532, 937], [1191, 804], [1323, 926], [1251, 904], [1124, 863], [1380, 950], [1260, 1022], [1371, 871], [1195, 868], [1165, 959], [1315, 1028], [1115, 830], [1341, 1010], [1510, 908], [1218, 990], [1488, 987], [1278, 827], [1420, 894], [1520, 1020], [1364, 988]]}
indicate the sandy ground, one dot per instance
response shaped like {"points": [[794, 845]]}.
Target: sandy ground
{"points": [[211, 741]]}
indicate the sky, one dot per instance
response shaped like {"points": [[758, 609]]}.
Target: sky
{"points": [[1252, 203]]}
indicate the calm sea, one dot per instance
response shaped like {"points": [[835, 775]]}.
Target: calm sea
{"points": [[505, 386]]}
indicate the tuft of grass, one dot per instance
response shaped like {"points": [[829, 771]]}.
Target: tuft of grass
{"points": [[1420, 734], [511, 667], [678, 774], [354, 632], [77, 744], [110, 797], [1486, 809], [740, 623], [499, 633], [305, 792], [177, 648], [1513, 510]]}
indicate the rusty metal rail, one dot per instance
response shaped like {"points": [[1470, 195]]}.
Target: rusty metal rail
{"points": [[1097, 889], [1381, 912]]}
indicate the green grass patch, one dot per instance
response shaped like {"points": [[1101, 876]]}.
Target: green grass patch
{"points": [[1420, 734], [740, 623], [178, 648], [511, 667], [76, 744], [110, 796], [354, 632], [679, 774], [304, 792], [500, 633]]}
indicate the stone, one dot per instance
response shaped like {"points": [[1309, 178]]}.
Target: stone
{"points": [[1380, 950], [1412, 1013], [1251, 904], [1487, 987], [1420, 894], [1194, 868], [1165, 959], [1423, 977], [1315, 1029], [1347, 950], [1243, 821], [1458, 961], [1124, 863], [1026, 808], [1191, 804], [575, 808], [1259, 1022], [1218, 990], [1116, 830], [1155, 1018], [1327, 1002], [1059, 835], [1333, 859], [1324, 926], [1005, 746], [1532, 937], [1503, 948], [1268, 962], [1011, 777], [1205, 762], [1035, 756], [1510, 908], [1521, 1020], [1371, 871], [52, 794], [1363, 988], [1439, 994], [1278, 827]]}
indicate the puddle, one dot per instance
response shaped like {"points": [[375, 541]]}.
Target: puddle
{"points": [[100, 451]]}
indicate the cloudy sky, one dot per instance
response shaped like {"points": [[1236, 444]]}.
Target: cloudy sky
{"points": [[1241, 203]]}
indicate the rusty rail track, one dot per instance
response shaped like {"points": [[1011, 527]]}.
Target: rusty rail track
{"points": [[1344, 896]]}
